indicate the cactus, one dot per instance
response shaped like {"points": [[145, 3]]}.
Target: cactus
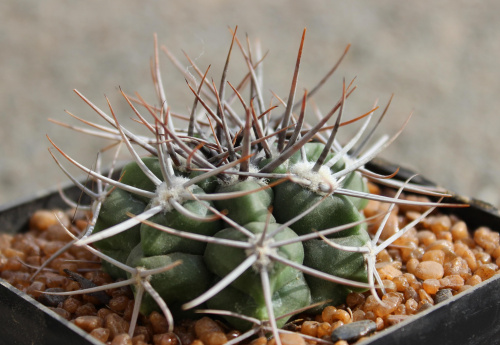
{"points": [[253, 216]]}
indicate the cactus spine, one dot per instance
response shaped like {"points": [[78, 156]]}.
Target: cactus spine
{"points": [[251, 215]]}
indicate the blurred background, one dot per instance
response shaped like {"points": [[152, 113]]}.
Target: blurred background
{"points": [[440, 59]]}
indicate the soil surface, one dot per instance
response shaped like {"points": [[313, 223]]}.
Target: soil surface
{"points": [[440, 60]]}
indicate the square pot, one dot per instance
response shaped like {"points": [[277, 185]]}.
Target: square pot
{"points": [[471, 317], [23, 320]]}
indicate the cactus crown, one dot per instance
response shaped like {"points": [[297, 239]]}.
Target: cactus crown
{"points": [[252, 215]]}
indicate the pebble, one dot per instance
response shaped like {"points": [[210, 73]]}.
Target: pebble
{"points": [[429, 270], [122, 339], [43, 219], [101, 334], [209, 331], [289, 339], [169, 339], [88, 323], [116, 325], [424, 306], [52, 300], [443, 295], [61, 312], [354, 330], [486, 271]]}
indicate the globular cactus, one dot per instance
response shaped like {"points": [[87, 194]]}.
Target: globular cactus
{"points": [[253, 216]]}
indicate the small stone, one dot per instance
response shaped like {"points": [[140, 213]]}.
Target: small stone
{"points": [[289, 339], [486, 271], [389, 272], [52, 300], [424, 306], [172, 339], [43, 219], [61, 312], [354, 330], [122, 339], [429, 270], [101, 334], [431, 286], [443, 295], [116, 325], [88, 323]]}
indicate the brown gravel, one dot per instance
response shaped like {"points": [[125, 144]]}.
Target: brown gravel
{"points": [[440, 253]]}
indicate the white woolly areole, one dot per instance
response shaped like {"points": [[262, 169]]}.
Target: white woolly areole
{"points": [[177, 192], [263, 252], [322, 177]]}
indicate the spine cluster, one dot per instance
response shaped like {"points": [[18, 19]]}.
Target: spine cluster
{"points": [[239, 209]]}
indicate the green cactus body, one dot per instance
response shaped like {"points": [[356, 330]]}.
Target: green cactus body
{"points": [[145, 245], [114, 211], [221, 260], [292, 296], [202, 205], [355, 181], [250, 208], [177, 285], [208, 185], [156, 242], [291, 199], [339, 263], [120, 205]]}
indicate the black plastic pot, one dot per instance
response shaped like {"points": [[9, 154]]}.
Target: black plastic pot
{"points": [[472, 317], [24, 320]]}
